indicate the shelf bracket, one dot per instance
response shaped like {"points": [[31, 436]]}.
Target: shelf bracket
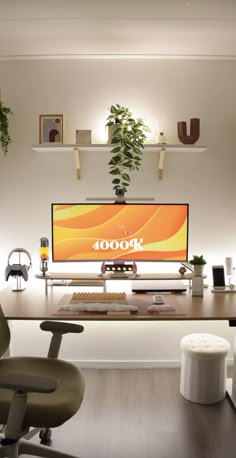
{"points": [[77, 162], [161, 162]]}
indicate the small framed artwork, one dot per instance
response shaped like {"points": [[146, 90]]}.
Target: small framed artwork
{"points": [[51, 128]]}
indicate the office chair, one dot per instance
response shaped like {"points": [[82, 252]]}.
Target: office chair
{"points": [[37, 392]]}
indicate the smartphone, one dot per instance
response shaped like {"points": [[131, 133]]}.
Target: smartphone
{"points": [[218, 273]]}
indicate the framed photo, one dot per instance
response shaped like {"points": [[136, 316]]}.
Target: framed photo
{"points": [[51, 128]]}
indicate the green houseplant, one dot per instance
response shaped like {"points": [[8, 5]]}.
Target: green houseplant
{"points": [[5, 138], [198, 262], [128, 137]]}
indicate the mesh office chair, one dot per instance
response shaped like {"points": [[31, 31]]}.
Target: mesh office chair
{"points": [[37, 392]]}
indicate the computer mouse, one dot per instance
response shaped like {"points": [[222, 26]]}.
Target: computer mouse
{"points": [[158, 299]]}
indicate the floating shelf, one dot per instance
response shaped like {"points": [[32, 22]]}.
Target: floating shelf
{"points": [[150, 147]]}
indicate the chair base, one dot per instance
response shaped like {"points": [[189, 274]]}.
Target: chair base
{"points": [[25, 447]]}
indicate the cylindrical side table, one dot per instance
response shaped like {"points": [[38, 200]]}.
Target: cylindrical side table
{"points": [[203, 368]]}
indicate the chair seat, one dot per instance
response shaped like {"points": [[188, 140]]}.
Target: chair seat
{"points": [[52, 409]]}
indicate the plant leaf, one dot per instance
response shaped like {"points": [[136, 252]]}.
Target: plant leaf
{"points": [[128, 154], [115, 140], [126, 177], [115, 172], [116, 149]]}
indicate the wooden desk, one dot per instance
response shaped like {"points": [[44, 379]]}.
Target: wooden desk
{"points": [[32, 304]]}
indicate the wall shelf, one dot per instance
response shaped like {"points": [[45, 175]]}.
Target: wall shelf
{"points": [[150, 147]]}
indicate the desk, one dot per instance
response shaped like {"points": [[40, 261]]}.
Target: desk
{"points": [[32, 304]]}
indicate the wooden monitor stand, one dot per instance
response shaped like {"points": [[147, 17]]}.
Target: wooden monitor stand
{"points": [[92, 279]]}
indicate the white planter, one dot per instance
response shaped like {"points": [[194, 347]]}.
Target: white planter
{"points": [[198, 270], [111, 129]]}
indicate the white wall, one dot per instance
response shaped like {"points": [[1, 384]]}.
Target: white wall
{"points": [[163, 92]]}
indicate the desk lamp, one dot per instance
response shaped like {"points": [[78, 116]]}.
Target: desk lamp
{"points": [[43, 254]]}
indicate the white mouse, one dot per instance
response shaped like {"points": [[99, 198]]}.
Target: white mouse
{"points": [[158, 299]]}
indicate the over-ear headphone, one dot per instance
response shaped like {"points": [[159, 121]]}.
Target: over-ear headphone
{"points": [[18, 270]]}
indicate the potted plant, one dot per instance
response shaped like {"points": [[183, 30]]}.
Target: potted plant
{"points": [[128, 137], [5, 138], [198, 262]]}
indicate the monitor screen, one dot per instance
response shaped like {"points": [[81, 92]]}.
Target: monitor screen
{"points": [[119, 232]]}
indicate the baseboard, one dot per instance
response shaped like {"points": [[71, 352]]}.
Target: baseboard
{"points": [[133, 364]]}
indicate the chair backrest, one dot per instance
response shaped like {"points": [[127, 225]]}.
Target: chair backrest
{"points": [[4, 333]]}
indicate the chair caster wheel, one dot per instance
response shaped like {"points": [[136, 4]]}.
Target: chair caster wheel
{"points": [[45, 434]]}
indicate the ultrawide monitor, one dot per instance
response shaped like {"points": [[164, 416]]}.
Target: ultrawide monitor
{"points": [[119, 232]]}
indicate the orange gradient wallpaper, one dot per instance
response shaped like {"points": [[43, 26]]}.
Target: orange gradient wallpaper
{"points": [[122, 232]]}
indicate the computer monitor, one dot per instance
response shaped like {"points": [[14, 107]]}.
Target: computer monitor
{"points": [[119, 232]]}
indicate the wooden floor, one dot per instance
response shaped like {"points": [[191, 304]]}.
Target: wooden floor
{"points": [[141, 414]]}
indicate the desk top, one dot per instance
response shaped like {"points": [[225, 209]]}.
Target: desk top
{"points": [[32, 304]]}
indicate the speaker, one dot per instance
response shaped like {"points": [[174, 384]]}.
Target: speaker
{"points": [[18, 270]]}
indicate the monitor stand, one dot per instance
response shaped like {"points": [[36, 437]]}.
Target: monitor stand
{"points": [[19, 286], [119, 269]]}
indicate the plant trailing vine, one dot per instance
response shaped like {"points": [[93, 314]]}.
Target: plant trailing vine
{"points": [[5, 138], [128, 138]]}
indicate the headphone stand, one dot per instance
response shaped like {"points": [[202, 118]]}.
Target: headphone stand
{"points": [[18, 271], [19, 286]]}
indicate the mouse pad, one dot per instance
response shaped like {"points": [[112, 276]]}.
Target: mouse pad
{"points": [[141, 302]]}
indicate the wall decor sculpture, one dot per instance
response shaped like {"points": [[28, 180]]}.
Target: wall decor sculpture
{"points": [[194, 131], [83, 137]]}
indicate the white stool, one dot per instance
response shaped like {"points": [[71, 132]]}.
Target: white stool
{"points": [[203, 368]]}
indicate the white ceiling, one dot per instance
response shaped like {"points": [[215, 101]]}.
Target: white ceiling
{"points": [[132, 28]]}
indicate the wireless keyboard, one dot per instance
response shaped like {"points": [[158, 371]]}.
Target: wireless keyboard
{"points": [[96, 297]]}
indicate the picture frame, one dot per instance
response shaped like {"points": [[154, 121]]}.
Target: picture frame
{"points": [[51, 129]]}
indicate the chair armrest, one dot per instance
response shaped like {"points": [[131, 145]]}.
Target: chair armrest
{"points": [[27, 383], [61, 327]]}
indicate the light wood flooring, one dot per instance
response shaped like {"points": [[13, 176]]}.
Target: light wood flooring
{"points": [[141, 414]]}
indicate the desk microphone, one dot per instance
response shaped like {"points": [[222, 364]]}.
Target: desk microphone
{"points": [[43, 254]]}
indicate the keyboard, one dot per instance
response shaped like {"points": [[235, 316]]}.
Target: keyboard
{"points": [[158, 286], [97, 297]]}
